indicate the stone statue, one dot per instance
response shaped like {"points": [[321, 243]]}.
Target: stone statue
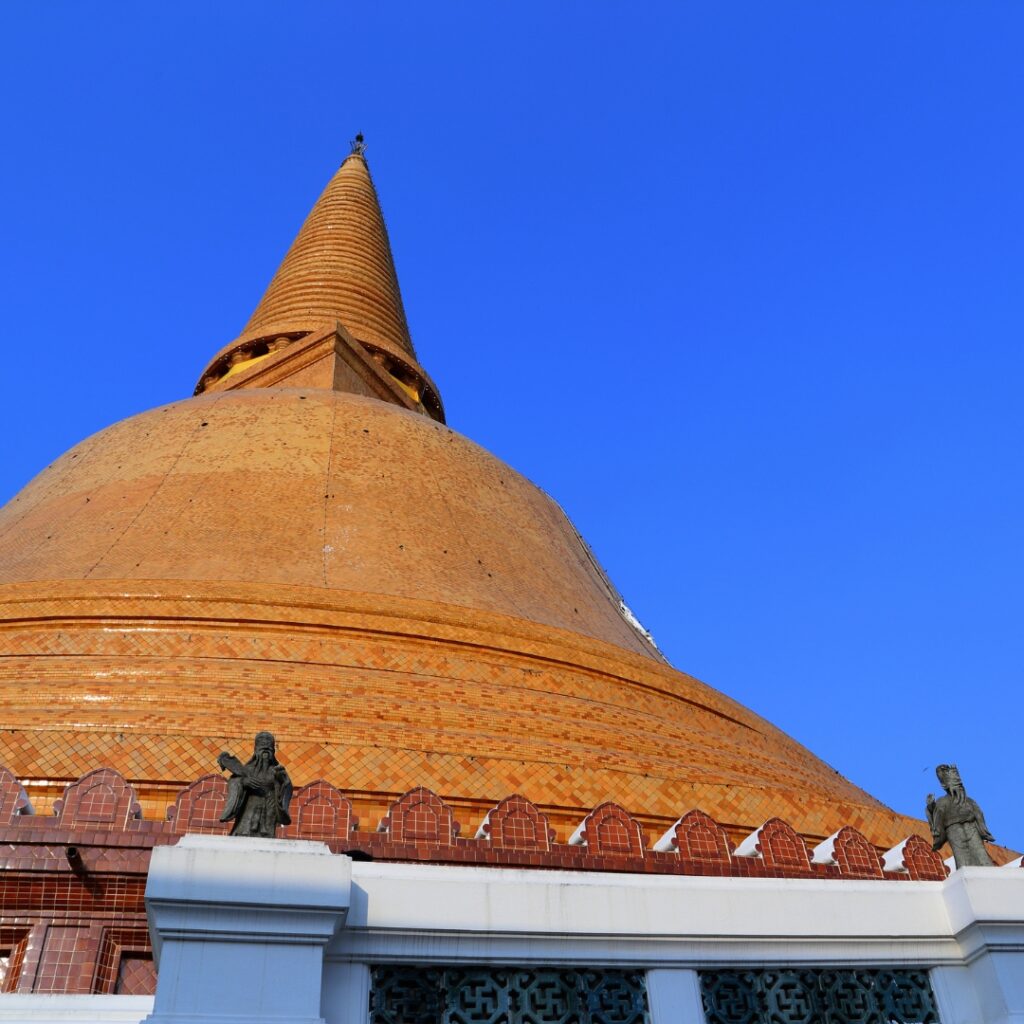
{"points": [[955, 818], [259, 791]]}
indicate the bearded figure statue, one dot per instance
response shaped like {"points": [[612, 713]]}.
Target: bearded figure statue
{"points": [[955, 818], [259, 791]]}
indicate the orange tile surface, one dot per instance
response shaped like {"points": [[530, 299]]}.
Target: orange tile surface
{"points": [[378, 695]]}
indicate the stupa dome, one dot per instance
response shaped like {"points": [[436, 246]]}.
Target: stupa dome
{"points": [[305, 546], [309, 488]]}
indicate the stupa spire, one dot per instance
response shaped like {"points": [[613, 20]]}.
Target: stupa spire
{"points": [[340, 266], [332, 315]]}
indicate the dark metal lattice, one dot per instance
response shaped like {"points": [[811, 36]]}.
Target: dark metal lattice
{"points": [[818, 996], [500, 995]]}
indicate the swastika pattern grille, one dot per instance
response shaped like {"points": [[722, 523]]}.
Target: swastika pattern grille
{"points": [[500, 995], [818, 996]]}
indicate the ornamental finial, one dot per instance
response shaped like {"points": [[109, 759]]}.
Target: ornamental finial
{"points": [[358, 145]]}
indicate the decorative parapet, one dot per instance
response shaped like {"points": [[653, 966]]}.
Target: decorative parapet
{"points": [[915, 859], [421, 826], [697, 837], [608, 830], [101, 797], [777, 843], [320, 811], [892, 860], [849, 851], [516, 824], [420, 816], [199, 806], [13, 798]]}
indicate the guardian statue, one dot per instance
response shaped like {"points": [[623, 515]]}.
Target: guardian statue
{"points": [[259, 791], [955, 818]]}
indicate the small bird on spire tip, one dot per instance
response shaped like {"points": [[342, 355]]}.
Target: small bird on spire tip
{"points": [[358, 145]]}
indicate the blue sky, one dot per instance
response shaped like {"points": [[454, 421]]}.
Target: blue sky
{"points": [[740, 285]]}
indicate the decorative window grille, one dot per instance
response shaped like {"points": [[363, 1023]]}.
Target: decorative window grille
{"points": [[818, 996], [506, 995]]}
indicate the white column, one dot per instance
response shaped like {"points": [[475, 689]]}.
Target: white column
{"points": [[986, 915], [346, 995], [239, 928], [999, 983], [955, 998], [673, 997]]}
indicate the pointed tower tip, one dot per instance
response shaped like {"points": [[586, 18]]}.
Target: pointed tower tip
{"points": [[340, 266], [338, 276], [358, 145]]}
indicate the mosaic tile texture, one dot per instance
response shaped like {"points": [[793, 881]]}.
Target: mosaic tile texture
{"points": [[378, 696]]}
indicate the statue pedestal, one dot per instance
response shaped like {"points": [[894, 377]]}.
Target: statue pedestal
{"points": [[986, 914], [239, 928]]}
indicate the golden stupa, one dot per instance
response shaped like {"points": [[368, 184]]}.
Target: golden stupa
{"points": [[305, 546]]}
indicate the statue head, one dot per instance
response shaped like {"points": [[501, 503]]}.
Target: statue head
{"points": [[264, 753], [949, 778]]}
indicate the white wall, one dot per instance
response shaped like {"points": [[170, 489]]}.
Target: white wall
{"points": [[223, 915]]}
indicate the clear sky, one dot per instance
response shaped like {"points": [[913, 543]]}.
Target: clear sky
{"points": [[739, 284]]}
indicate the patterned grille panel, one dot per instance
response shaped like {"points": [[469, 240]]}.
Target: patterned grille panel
{"points": [[813, 996], [497, 995]]}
